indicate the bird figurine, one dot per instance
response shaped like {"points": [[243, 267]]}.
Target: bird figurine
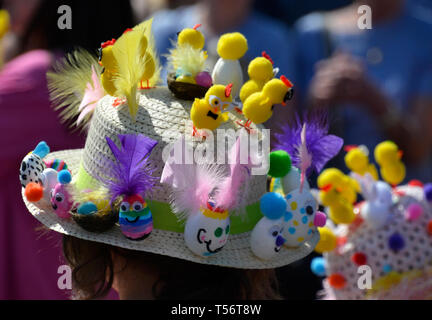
{"points": [[357, 161], [128, 179], [258, 107], [187, 59], [388, 155], [260, 71], [231, 47], [210, 112]]}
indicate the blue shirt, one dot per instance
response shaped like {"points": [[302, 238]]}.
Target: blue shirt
{"points": [[398, 60]]}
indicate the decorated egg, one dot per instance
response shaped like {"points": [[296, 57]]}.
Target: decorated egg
{"points": [[32, 165], [204, 79], [301, 217], [56, 164], [207, 231], [135, 218], [267, 236], [291, 181], [61, 200]]}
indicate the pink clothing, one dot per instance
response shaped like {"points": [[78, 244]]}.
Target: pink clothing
{"points": [[28, 261]]}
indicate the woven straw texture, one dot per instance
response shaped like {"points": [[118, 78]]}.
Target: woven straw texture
{"points": [[415, 255], [160, 117]]}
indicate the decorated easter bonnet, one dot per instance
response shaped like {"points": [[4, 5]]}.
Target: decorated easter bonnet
{"points": [[132, 186], [381, 247]]}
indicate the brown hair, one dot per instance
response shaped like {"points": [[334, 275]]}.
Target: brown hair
{"points": [[93, 274]]}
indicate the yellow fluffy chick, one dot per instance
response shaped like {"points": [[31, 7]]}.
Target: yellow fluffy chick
{"points": [[207, 113], [260, 71], [327, 242], [109, 64], [338, 193], [192, 37], [357, 161], [231, 47], [258, 107], [388, 155]]}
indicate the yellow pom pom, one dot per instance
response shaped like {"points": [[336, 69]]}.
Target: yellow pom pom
{"points": [[327, 240], [275, 90], [191, 37], [357, 161], [249, 88], [260, 69], [4, 23], [342, 213], [386, 152], [232, 46]]}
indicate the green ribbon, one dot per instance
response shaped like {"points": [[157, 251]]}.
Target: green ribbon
{"points": [[165, 219]]}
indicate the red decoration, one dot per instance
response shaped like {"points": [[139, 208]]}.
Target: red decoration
{"points": [[286, 81], [127, 30], [337, 281], [228, 89], [359, 258], [429, 227], [350, 147], [108, 43], [416, 183], [265, 55], [197, 26]]}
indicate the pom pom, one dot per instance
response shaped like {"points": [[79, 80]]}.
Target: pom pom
{"points": [[87, 208], [327, 242], [33, 192], [337, 281], [396, 242], [64, 177], [429, 227], [318, 266], [387, 268], [203, 79], [428, 191], [320, 219], [41, 149], [415, 183], [280, 164], [232, 46], [413, 212], [273, 205], [359, 258]]}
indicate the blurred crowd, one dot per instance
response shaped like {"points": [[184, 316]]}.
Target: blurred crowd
{"points": [[376, 84]]}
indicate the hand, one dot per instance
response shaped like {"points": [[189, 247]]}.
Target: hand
{"points": [[340, 79]]}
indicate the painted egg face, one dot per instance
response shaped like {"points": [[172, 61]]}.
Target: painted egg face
{"points": [[49, 181], [299, 217], [207, 233], [61, 201], [31, 169], [135, 218], [267, 238]]}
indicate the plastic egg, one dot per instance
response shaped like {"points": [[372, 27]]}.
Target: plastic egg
{"points": [[204, 79], [186, 79]]}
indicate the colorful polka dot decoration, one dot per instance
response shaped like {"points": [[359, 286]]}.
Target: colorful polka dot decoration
{"points": [[429, 227], [359, 258], [337, 281], [56, 164], [318, 266], [413, 212], [396, 242]]}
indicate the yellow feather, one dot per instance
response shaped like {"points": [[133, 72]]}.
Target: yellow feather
{"points": [[68, 80], [127, 52]]}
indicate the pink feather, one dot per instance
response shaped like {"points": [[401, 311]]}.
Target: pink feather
{"points": [[304, 156], [92, 94]]}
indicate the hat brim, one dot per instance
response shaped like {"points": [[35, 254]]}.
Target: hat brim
{"points": [[235, 254]]}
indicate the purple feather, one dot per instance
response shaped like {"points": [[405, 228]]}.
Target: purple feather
{"points": [[128, 174], [320, 145]]}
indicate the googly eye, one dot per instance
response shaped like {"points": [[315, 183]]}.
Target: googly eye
{"points": [[275, 230], [59, 197], [215, 102], [218, 232], [124, 206], [137, 206]]}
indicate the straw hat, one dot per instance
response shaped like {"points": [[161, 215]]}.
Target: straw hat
{"points": [[160, 117]]}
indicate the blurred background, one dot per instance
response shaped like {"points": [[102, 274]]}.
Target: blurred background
{"points": [[376, 84]]}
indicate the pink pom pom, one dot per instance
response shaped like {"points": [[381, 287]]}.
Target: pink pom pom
{"points": [[204, 79], [413, 212], [320, 219]]}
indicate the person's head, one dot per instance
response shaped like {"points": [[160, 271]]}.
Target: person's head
{"points": [[98, 267]]}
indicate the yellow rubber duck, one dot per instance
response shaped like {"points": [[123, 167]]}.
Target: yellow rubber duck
{"points": [[388, 156], [357, 161], [258, 107], [208, 113], [260, 71]]}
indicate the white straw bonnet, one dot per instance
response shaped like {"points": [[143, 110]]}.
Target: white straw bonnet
{"points": [[160, 117]]}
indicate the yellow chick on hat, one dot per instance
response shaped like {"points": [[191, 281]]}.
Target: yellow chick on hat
{"points": [[208, 113], [357, 161], [388, 155]]}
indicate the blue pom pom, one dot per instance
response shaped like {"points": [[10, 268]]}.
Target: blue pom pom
{"points": [[318, 266], [273, 205], [428, 191], [396, 242], [87, 208], [41, 149], [387, 268], [64, 177]]}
